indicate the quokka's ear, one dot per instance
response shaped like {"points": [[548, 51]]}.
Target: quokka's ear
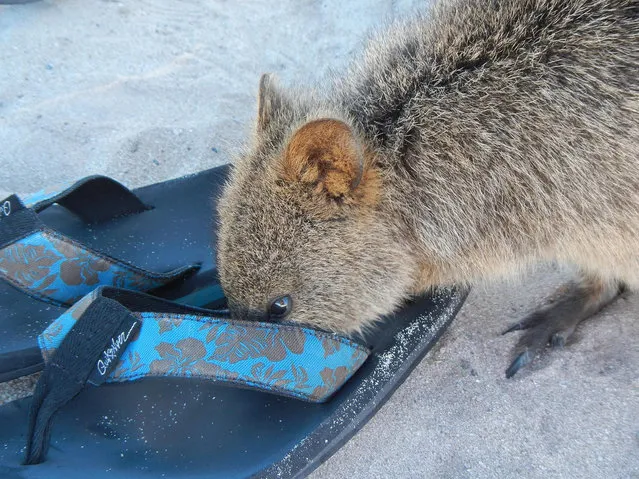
{"points": [[326, 155], [269, 100]]}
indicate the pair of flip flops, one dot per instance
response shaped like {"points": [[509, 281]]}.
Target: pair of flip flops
{"points": [[137, 385]]}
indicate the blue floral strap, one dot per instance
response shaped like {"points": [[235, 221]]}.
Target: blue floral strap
{"points": [[54, 268], [178, 341], [117, 335]]}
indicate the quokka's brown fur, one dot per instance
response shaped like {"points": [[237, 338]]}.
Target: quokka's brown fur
{"points": [[466, 143]]}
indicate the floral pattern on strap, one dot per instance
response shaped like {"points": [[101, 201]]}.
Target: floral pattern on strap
{"points": [[234, 344], [59, 270], [61, 326], [278, 358]]}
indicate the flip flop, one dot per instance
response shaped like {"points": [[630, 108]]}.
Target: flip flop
{"points": [[58, 245], [168, 410]]}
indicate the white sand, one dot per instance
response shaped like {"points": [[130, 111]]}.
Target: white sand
{"points": [[147, 90]]}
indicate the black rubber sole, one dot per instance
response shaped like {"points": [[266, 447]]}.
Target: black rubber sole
{"points": [[179, 230], [195, 429]]}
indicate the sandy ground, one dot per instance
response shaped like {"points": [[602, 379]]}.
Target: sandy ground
{"points": [[147, 90]]}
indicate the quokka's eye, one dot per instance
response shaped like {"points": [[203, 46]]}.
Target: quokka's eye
{"points": [[280, 307]]}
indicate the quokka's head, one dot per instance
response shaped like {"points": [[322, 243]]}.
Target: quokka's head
{"points": [[302, 237]]}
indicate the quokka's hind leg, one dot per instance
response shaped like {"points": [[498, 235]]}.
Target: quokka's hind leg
{"points": [[555, 322]]}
